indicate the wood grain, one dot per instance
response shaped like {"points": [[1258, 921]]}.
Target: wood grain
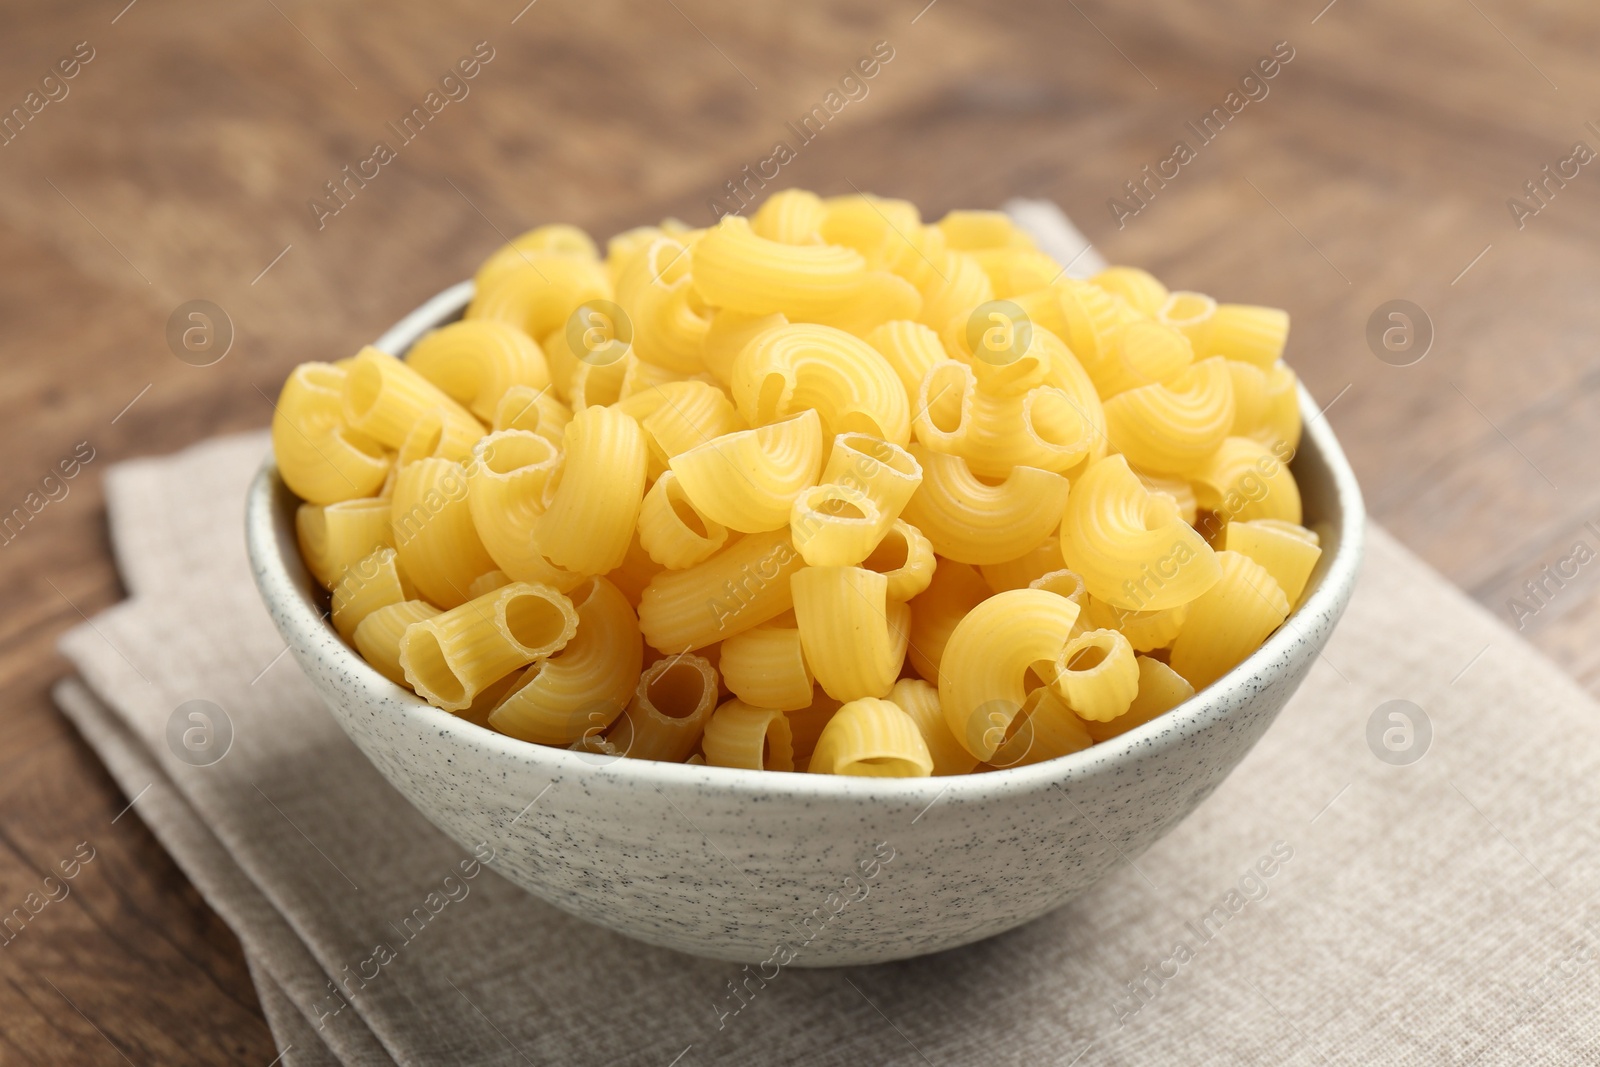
{"points": [[181, 162]]}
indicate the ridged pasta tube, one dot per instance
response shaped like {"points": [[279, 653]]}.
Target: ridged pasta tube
{"points": [[374, 582], [434, 533], [336, 536], [1143, 353], [582, 689], [748, 481], [1096, 675], [910, 348], [318, 456], [452, 657], [1173, 427], [1138, 287], [1245, 332], [744, 585], [735, 268], [669, 710], [672, 531], [844, 379], [887, 473], [872, 738], [1160, 690], [595, 503], [1131, 546], [537, 295], [1229, 621], [475, 362], [905, 558], [678, 416], [766, 668], [506, 493], [384, 398], [854, 636], [1189, 312], [920, 700], [378, 636], [435, 435], [834, 526], [973, 522], [1243, 480], [535, 410], [956, 589], [1288, 552], [791, 217], [754, 739], [1046, 729], [1145, 630], [984, 670]]}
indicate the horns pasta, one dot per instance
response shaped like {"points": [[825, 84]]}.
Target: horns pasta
{"points": [[844, 379], [872, 738], [475, 362], [744, 585], [318, 455], [973, 522], [1173, 427], [748, 480], [854, 636], [594, 504]]}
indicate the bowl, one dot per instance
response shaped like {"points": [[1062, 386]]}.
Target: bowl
{"points": [[780, 869]]}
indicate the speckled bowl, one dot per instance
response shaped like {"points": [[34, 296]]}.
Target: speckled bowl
{"points": [[797, 869]]}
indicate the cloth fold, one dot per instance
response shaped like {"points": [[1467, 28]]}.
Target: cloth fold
{"points": [[1329, 903]]}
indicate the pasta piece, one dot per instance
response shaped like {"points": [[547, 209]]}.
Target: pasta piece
{"points": [[1189, 312], [538, 294], [872, 738], [1243, 480], [835, 526], [1014, 270], [450, 658], [766, 668], [1092, 319], [532, 247], [1138, 287], [734, 268], [743, 586], [582, 689], [791, 217], [854, 637], [974, 522], [535, 410], [1160, 690], [872, 225], [1046, 729], [967, 230], [1288, 552], [437, 436], [1174, 427], [906, 560], [1181, 492], [1044, 427], [1143, 353], [1131, 546], [748, 481], [1145, 630], [384, 398], [375, 582], [806, 725], [1249, 398], [488, 583], [1280, 423], [953, 289], [475, 362], [506, 483], [984, 669], [956, 589], [910, 348], [755, 739], [678, 416], [636, 571], [1096, 675], [438, 544], [945, 402], [1229, 621], [669, 710], [842, 378], [920, 700], [320, 458], [594, 496], [336, 536], [378, 636], [1020, 572], [672, 531], [886, 473], [1244, 332], [621, 249], [727, 336]]}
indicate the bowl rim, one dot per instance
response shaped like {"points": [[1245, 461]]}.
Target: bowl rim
{"points": [[1207, 708]]}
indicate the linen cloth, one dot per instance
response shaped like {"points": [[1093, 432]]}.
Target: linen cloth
{"points": [[1438, 912]]}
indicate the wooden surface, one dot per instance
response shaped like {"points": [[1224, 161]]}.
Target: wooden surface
{"points": [[180, 164]]}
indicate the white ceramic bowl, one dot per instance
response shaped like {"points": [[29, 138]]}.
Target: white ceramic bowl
{"points": [[808, 870]]}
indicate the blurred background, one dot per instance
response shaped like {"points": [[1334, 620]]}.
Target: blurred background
{"points": [[1431, 152]]}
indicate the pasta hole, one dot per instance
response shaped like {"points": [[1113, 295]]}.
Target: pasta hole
{"points": [[512, 453], [423, 440], [534, 622], [837, 508], [429, 670], [892, 553], [1087, 658], [688, 516], [679, 691], [766, 751], [770, 397]]}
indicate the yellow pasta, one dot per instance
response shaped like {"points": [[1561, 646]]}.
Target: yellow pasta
{"points": [[834, 526], [1018, 573], [727, 336], [920, 700], [1014, 270], [378, 636], [1280, 424], [582, 689], [744, 585], [636, 571], [1160, 690], [972, 521], [1096, 675], [886, 473], [1143, 353], [906, 560], [911, 350], [872, 738], [806, 725], [967, 230], [842, 378], [532, 247], [678, 416], [383, 398], [956, 589], [1045, 729], [535, 410], [735, 268], [1131, 546], [791, 217], [674, 533], [450, 658], [755, 739], [952, 289], [1229, 621], [983, 672], [766, 668], [853, 635], [372, 583], [1138, 287], [872, 225], [594, 504], [1093, 320], [438, 544], [475, 361], [1288, 552], [506, 486], [435, 435], [488, 582], [748, 481], [669, 710], [1145, 630], [319, 457], [1188, 312], [334, 537], [1243, 480], [1255, 335], [539, 293], [1173, 427]]}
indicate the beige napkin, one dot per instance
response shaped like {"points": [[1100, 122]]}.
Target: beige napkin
{"points": [[1436, 912]]}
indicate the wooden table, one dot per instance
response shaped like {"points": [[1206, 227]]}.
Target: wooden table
{"points": [[180, 163]]}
